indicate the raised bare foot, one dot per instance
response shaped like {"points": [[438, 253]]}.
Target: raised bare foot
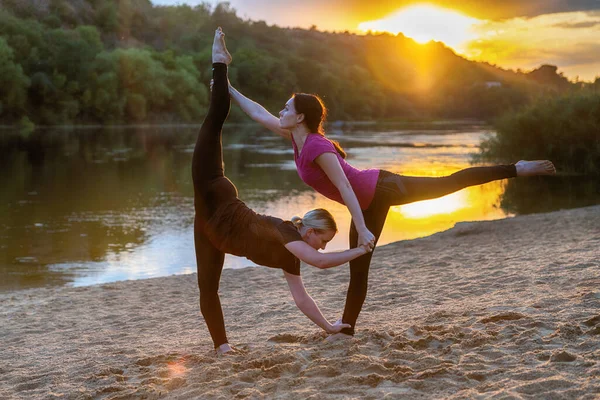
{"points": [[533, 168], [219, 50]]}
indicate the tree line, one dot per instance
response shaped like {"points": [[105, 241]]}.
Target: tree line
{"points": [[127, 61]]}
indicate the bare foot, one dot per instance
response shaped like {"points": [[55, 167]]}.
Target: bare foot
{"points": [[225, 349], [533, 168], [219, 50], [337, 337]]}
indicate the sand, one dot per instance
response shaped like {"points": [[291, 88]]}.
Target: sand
{"points": [[504, 309]]}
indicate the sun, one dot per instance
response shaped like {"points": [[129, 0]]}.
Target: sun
{"points": [[425, 22]]}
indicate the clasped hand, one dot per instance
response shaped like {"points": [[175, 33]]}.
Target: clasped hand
{"points": [[366, 239]]}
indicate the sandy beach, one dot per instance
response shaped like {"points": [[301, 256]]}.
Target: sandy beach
{"points": [[504, 309]]}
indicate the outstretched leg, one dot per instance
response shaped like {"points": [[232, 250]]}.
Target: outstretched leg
{"points": [[211, 188], [424, 188], [395, 189], [207, 162]]}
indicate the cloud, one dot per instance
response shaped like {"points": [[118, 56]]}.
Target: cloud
{"points": [[483, 9], [577, 25], [564, 39]]}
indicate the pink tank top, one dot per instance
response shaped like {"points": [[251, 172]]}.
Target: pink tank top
{"points": [[363, 182]]}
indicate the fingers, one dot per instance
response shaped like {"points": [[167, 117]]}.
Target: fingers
{"points": [[337, 327], [367, 247], [370, 243]]}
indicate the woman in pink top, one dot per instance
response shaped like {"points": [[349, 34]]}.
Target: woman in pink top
{"points": [[368, 194]]}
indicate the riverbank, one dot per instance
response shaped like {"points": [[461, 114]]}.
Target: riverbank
{"points": [[505, 308]]}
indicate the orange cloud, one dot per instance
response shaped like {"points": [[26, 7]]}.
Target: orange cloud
{"points": [[568, 40]]}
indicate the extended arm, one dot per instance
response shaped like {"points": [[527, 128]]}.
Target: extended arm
{"points": [[309, 255], [307, 305], [331, 166], [258, 113]]}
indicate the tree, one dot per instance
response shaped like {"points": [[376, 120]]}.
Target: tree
{"points": [[14, 84]]}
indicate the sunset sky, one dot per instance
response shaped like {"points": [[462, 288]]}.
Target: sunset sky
{"points": [[510, 33]]}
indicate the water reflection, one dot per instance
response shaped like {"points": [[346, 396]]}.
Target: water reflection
{"points": [[99, 205], [545, 194]]}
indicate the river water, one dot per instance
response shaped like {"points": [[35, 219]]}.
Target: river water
{"points": [[87, 206]]}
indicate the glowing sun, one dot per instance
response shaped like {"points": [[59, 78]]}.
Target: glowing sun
{"points": [[425, 22]]}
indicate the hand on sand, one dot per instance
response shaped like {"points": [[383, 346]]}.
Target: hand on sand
{"points": [[338, 326], [339, 335], [219, 50]]}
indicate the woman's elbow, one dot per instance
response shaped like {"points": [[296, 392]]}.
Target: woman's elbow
{"points": [[321, 264]]}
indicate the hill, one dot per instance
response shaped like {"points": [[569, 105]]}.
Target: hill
{"points": [[96, 61]]}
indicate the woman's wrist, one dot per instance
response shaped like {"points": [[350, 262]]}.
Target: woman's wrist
{"points": [[362, 229]]}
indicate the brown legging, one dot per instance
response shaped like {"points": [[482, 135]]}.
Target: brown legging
{"points": [[392, 190]]}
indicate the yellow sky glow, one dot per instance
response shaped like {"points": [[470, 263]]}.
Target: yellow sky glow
{"points": [[425, 22], [524, 43]]}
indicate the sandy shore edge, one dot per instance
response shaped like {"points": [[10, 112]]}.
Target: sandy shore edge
{"points": [[493, 309]]}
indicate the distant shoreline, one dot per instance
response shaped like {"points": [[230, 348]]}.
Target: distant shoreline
{"points": [[336, 123]]}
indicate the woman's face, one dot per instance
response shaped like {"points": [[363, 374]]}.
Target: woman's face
{"points": [[318, 239], [288, 117]]}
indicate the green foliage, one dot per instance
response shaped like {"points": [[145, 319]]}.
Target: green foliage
{"points": [[565, 130], [26, 127], [107, 17], [114, 61], [13, 82]]}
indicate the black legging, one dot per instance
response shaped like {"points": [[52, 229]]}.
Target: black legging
{"points": [[211, 188], [393, 190]]}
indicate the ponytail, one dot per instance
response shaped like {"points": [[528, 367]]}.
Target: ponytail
{"points": [[315, 114], [318, 219], [297, 221]]}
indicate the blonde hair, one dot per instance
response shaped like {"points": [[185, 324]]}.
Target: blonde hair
{"points": [[319, 219]]}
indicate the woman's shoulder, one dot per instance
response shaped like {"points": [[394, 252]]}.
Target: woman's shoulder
{"points": [[317, 137], [317, 142]]}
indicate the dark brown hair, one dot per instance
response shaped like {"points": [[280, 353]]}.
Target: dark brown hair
{"points": [[315, 113]]}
